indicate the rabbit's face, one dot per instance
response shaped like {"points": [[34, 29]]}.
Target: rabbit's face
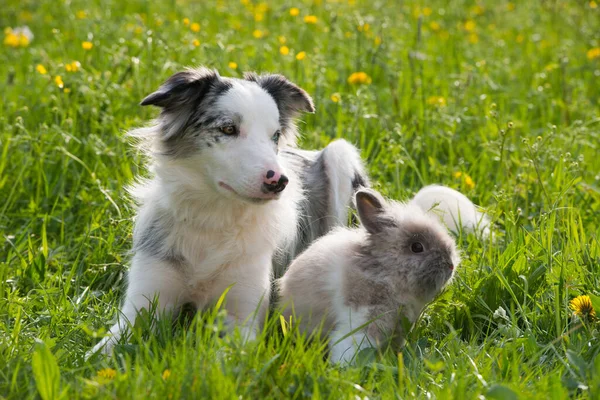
{"points": [[426, 255], [406, 246]]}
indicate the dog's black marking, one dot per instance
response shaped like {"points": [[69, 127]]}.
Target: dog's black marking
{"points": [[290, 99], [153, 241]]}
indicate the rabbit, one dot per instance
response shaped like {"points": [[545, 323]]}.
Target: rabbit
{"points": [[365, 286], [454, 208]]}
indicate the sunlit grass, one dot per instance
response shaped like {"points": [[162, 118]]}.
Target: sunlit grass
{"points": [[499, 100]]}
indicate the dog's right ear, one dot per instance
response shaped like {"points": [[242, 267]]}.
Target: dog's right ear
{"points": [[371, 210], [182, 88]]}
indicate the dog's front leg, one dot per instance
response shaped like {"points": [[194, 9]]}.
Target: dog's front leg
{"points": [[148, 280], [247, 301]]}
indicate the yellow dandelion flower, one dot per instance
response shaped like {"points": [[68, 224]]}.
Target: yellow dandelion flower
{"points": [[473, 38], [257, 33], [72, 66], [294, 12], [301, 56], [23, 40], [439, 101], [59, 82], [195, 27], [427, 11], [196, 42], [41, 69], [377, 40], [457, 174], [87, 45], [186, 21], [359, 78], [67, 90], [282, 39], [81, 14], [469, 182], [582, 307], [11, 40], [284, 50], [434, 26], [335, 97], [107, 373], [232, 65], [469, 25], [348, 34], [310, 19], [593, 53], [166, 374], [593, 4], [18, 37]]}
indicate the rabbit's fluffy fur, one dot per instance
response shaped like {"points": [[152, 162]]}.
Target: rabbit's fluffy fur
{"points": [[361, 286]]}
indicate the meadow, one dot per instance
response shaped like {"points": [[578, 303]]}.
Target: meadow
{"points": [[498, 99]]}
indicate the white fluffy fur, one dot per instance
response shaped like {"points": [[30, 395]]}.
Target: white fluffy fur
{"points": [[224, 238], [453, 208]]}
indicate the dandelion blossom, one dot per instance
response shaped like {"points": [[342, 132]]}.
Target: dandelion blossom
{"points": [[41, 69], [284, 50], [335, 97], [294, 12], [583, 308], [196, 42], [310, 19], [186, 21], [469, 182], [195, 27], [59, 82], [166, 374], [257, 33], [436, 101], [18, 37], [81, 14], [359, 78], [107, 373], [87, 45], [72, 66], [593, 53], [232, 65], [301, 56]]}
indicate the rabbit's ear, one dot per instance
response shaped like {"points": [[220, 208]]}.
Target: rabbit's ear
{"points": [[371, 210]]}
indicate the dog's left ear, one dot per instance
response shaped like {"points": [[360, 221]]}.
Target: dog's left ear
{"points": [[290, 99]]}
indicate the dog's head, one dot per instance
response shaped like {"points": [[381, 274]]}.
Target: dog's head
{"points": [[229, 130]]}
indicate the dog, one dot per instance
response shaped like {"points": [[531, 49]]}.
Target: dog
{"points": [[229, 196]]}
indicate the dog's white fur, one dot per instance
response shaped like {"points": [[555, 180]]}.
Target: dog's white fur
{"points": [[225, 228]]}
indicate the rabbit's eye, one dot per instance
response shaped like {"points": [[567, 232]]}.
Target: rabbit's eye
{"points": [[416, 247]]}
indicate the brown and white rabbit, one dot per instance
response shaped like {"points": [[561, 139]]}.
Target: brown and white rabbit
{"points": [[361, 285]]}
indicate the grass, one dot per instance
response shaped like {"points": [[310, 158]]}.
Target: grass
{"points": [[499, 100]]}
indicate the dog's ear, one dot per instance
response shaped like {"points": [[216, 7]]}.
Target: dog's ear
{"points": [[183, 88], [290, 99]]}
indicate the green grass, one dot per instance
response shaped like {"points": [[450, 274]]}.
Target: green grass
{"points": [[506, 94]]}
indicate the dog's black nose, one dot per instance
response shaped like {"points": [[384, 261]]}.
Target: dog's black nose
{"points": [[276, 187]]}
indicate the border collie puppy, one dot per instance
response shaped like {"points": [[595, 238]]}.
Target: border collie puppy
{"points": [[227, 193]]}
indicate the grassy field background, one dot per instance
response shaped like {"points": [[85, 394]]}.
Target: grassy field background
{"points": [[500, 100]]}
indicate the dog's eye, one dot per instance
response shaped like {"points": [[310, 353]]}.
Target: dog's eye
{"points": [[228, 130], [276, 136], [416, 247]]}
